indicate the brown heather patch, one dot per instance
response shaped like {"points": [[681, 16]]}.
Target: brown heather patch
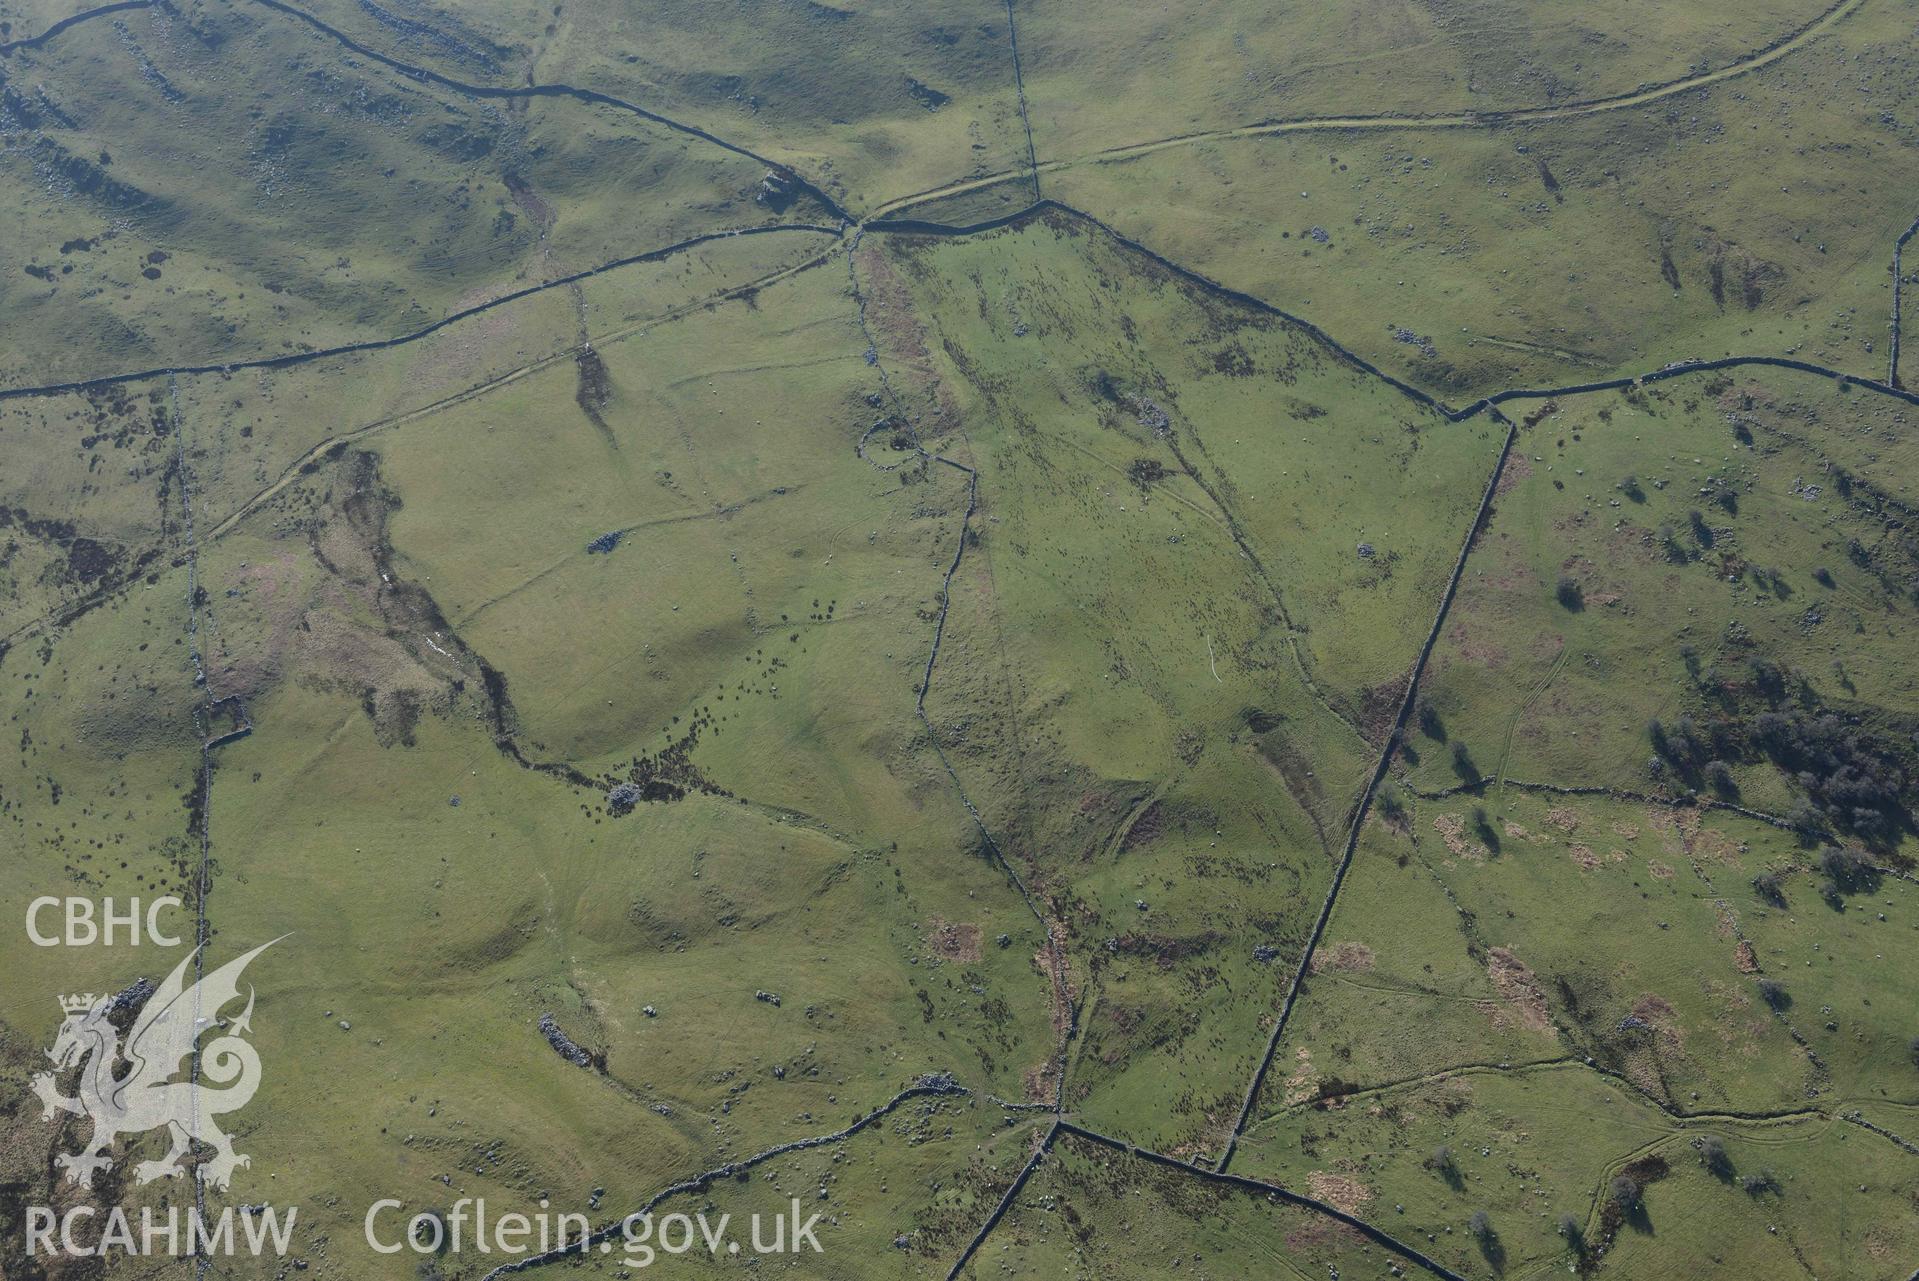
{"points": [[1467, 646], [1654, 1009], [1379, 707], [1148, 827], [1518, 467], [1037, 1081], [1346, 957], [1545, 649], [902, 338], [1744, 396], [1341, 1191], [1521, 991], [1642, 1069], [954, 942], [1452, 830], [1448, 1096], [1303, 1083], [1051, 961], [1675, 828], [1716, 845], [1737, 1020]]}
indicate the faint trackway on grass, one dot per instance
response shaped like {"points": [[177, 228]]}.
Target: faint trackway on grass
{"points": [[571, 557], [1512, 726], [1771, 53], [1391, 988], [1292, 629]]}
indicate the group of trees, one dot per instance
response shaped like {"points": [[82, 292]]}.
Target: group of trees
{"points": [[1693, 752], [1853, 779], [1846, 871], [1713, 1155]]}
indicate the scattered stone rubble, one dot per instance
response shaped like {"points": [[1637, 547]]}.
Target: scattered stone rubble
{"points": [[562, 1044]]}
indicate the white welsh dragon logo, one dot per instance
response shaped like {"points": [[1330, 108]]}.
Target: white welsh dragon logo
{"points": [[147, 1097]]}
